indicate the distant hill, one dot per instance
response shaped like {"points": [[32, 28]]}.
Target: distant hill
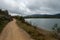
{"points": [[43, 16], [57, 14]]}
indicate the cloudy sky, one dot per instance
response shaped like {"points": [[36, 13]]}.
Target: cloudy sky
{"points": [[28, 7]]}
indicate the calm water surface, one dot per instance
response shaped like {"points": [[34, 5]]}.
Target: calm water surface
{"points": [[46, 24]]}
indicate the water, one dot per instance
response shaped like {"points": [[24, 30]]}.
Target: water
{"points": [[46, 24]]}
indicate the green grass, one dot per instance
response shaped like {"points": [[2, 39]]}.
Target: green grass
{"points": [[3, 22], [4, 19], [31, 31], [34, 32]]}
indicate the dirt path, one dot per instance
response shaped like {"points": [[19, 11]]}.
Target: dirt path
{"points": [[13, 32]]}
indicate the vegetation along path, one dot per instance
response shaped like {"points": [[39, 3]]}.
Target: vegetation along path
{"points": [[13, 32]]}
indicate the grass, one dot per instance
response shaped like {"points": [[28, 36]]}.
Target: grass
{"points": [[34, 32], [3, 22], [4, 18], [2, 25], [30, 30]]}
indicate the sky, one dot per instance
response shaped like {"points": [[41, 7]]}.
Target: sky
{"points": [[29, 7]]}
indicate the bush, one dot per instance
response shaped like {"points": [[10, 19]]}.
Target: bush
{"points": [[3, 22], [56, 31], [4, 19]]}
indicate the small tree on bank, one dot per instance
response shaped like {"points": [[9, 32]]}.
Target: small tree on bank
{"points": [[56, 31]]}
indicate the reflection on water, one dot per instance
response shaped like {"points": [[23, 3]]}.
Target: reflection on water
{"points": [[44, 23]]}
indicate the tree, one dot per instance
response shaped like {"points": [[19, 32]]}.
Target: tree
{"points": [[6, 12]]}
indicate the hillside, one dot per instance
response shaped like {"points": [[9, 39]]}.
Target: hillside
{"points": [[43, 16], [34, 32], [4, 18], [12, 32]]}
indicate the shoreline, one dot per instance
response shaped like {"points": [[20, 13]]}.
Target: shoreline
{"points": [[35, 32]]}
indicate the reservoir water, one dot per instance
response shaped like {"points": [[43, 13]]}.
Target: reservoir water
{"points": [[44, 23]]}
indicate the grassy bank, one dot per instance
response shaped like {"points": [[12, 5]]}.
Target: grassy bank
{"points": [[3, 22], [4, 18], [34, 32]]}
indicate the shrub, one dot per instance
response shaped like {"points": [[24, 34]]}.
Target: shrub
{"points": [[56, 31]]}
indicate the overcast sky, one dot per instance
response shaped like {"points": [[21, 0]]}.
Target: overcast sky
{"points": [[28, 7]]}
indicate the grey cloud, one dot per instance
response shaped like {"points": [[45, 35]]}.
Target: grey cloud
{"points": [[50, 6]]}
